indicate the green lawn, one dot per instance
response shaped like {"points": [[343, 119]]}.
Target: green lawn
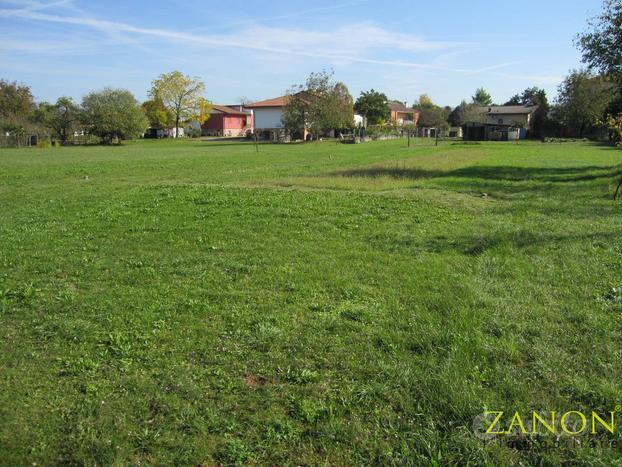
{"points": [[194, 303]]}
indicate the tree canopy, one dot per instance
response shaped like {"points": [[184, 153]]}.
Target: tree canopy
{"points": [[16, 107], [181, 95], [373, 105], [319, 105], [158, 115], [601, 45], [430, 114], [531, 97], [466, 113], [582, 101], [61, 117], [113, 114], [481, 97]]}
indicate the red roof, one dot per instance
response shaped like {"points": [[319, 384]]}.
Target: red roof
{"points": [[397, 106], [227, 110], [276, 102]]}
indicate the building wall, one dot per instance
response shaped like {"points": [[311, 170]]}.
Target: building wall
{"points": [[171, 133], [268, 117], [234, 122], [508, 119], [214, 122], [403, 117], [225, 125]]}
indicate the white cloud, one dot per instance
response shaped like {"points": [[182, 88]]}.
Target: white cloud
{"points": [[353, 43]]}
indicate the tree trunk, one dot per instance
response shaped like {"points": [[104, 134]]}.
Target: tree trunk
{"points": [[177, 126]]}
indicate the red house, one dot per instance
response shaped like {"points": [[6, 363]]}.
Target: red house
{"points": [[227, 121]]}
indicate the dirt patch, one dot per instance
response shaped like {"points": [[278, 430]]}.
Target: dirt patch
{"points": [[255, 381]]}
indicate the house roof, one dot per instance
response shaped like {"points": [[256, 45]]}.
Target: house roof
{"points": [[509, 109], [396, 106], [276, 102], [227, 110]]}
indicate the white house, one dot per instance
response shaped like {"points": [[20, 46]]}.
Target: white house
{"points": [[267, 118], [510, 115], [502, 123], [171, 132]]}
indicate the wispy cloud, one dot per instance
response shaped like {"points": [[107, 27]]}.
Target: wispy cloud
{"points": [[541, 80], [352, 43], [294, 14], [34, 5]]}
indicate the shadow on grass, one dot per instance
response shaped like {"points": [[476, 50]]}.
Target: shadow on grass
{"points": [[498, 173], [478, 244]]}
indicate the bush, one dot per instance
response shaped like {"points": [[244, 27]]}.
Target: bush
{"points": [[614, 124], [376, 131], [193, 132]]}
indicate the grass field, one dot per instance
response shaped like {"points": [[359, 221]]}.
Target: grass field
{"points": [[193, 303]]}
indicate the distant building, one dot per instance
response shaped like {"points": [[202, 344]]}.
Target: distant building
{"points": [[228, 121], [501, 123], [268, 116], [403, 115], [171, 132], [359, 120], [518, 116]]}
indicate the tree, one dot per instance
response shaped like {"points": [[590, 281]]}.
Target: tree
{"points": [[374, 106], [482, 98], [614, 124], [158, 115], [16, 108], [181, 95], [16, 101], [113, 114], [582, 101], [430, 114], [466, 113], [601, 46], [340, 113], [294, 113], [61, 117], [516, 99], [319, 105], [432, 117], [424, 102], [455, 117], [534, 96], [531, 97]]}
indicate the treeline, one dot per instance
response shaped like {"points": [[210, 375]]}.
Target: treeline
{"points": [[588, 102], [108, 116], [587, 105]]}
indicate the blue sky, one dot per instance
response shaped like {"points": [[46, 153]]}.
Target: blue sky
{"points": [[257, 50]]}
